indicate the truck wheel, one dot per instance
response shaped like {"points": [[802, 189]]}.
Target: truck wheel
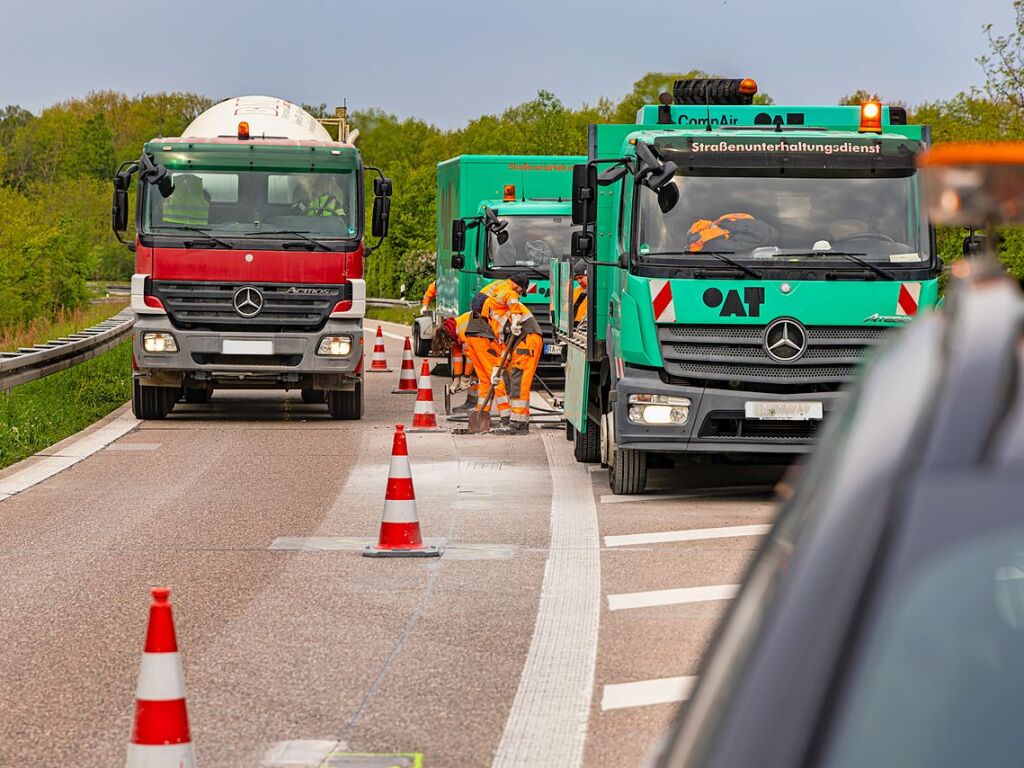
{"points": [[420, 346], [198, 396], [346, 406], [314, 396], [153, 402], [628, 473], [586, 447]]}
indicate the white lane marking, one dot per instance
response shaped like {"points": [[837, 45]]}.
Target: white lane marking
{"points": [[548, 721], [694, 534], [645, 692], [739, 490], [302, 752], [672, 596], [48, 465], [394, 336]]}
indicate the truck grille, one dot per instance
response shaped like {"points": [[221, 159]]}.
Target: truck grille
{"points": [[209, 306], [736, 353]]}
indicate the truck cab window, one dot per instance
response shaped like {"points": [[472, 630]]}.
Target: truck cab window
{"points": [[533, 241]]}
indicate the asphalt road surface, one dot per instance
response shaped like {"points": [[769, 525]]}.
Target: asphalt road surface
{"points": [[554, 606]]}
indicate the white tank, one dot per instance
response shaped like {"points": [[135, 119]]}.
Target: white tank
{"points": [[266, 115]]}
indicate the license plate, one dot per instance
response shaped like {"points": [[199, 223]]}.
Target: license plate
{"points": [[788, 411], [552, 349], [247, 347]]}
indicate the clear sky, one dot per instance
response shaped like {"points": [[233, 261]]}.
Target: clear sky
{"points": [[450, 60]]}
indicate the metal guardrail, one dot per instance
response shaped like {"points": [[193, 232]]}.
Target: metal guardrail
{"points": [[391, 303], [31, 363]]}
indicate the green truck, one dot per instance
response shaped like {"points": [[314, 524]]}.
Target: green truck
{"points": [[741, 260], [498, 215]]}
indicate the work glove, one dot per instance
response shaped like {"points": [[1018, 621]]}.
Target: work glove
{"points": [[456, 385], [424, 311], [495, 377], [516, 326], [466, 382]]}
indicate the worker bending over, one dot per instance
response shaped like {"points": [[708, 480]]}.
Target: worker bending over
{"points": [[463, 371], [483, 351], [512, 322]]}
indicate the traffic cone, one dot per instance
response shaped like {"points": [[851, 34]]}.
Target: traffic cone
{"points": [[407, 378], [380, 360], [423, 417], [160, 736], [400, 527]]}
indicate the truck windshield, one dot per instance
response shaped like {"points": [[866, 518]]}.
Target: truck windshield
{"points": [[791, 218], [238, 203], [532, 242]]}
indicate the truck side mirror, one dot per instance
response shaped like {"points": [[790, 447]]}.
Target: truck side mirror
{"points": [[381, 217], [584, 195], [382, 187], [458, 236], [974, 244], [458, 261], [119, 209], [582, 245]]}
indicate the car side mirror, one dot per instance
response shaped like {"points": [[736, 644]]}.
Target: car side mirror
{"points": [[381, 217], [584, 195], [458, 236], [458, 261], [382, 187], [582, 245]]}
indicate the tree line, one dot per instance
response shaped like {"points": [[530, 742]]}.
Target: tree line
{"points": [[55, 170]]}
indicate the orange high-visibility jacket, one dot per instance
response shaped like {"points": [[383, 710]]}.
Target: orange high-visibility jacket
{"points": [[703, 231], [430, 294]]}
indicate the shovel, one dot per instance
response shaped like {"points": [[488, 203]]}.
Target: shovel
{"points": [[480, 420]]}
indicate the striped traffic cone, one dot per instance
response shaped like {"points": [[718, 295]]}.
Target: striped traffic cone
{"points": [[423, 417], [400, 528], [160, 736], [379, 362], [407, 378]]}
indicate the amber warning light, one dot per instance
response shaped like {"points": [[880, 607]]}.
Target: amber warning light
{"points": [[510, 193], [871, 117], [243, 131]]}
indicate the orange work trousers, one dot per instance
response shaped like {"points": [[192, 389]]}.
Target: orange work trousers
{"points": [[519, 374], [484, 355]]}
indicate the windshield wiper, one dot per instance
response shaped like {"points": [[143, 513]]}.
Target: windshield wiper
{"points": [[303, 235], [854, 257], [720, 255], [209, 237]]}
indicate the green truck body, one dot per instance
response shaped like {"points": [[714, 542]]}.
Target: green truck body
{"points": [[743, 352], [539, 227]]}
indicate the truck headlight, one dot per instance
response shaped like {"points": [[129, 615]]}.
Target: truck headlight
{"points": [[335, 346], [658, 410], [159, 342]]}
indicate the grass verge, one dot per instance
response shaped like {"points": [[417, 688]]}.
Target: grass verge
{"points": [[400, 315], [36, 415]]}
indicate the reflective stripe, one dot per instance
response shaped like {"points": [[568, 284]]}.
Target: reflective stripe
{"points": [[160, 678]]}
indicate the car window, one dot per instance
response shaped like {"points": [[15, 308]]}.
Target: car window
{"points": [[938, 676]]}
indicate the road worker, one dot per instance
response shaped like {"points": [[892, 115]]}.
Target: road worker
{"points": [[320, 200], [579, 294], [428, 296], [463, 372], [742, 230], [482, 349], [510, 319]]}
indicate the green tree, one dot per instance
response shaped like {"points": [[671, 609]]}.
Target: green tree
{"points": [[1004, 63]]}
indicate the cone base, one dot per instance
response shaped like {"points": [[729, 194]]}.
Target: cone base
{"points": [[380, 370], [403, 391], [425, 551], [426, 429]]}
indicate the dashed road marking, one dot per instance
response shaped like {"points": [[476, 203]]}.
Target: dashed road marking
{"points": [[709, 493], [643, 693], [694, 534], [672, 596], [547, 724]]}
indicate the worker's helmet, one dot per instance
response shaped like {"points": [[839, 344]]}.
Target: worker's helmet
{"points": [[522, 280]]}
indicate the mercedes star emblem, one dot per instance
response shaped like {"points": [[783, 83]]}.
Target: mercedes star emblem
{"points": [[248, 301], [785, 340]]}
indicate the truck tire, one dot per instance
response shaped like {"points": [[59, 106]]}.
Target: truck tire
{"points": [[570, 430], [314, 396], [628, 473], [586, 447], [151, 403], [198, 396], [420, 346], [346, 406]]}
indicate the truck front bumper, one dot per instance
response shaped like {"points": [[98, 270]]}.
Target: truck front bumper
{"points": [[716, 422], [292, 358]]}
